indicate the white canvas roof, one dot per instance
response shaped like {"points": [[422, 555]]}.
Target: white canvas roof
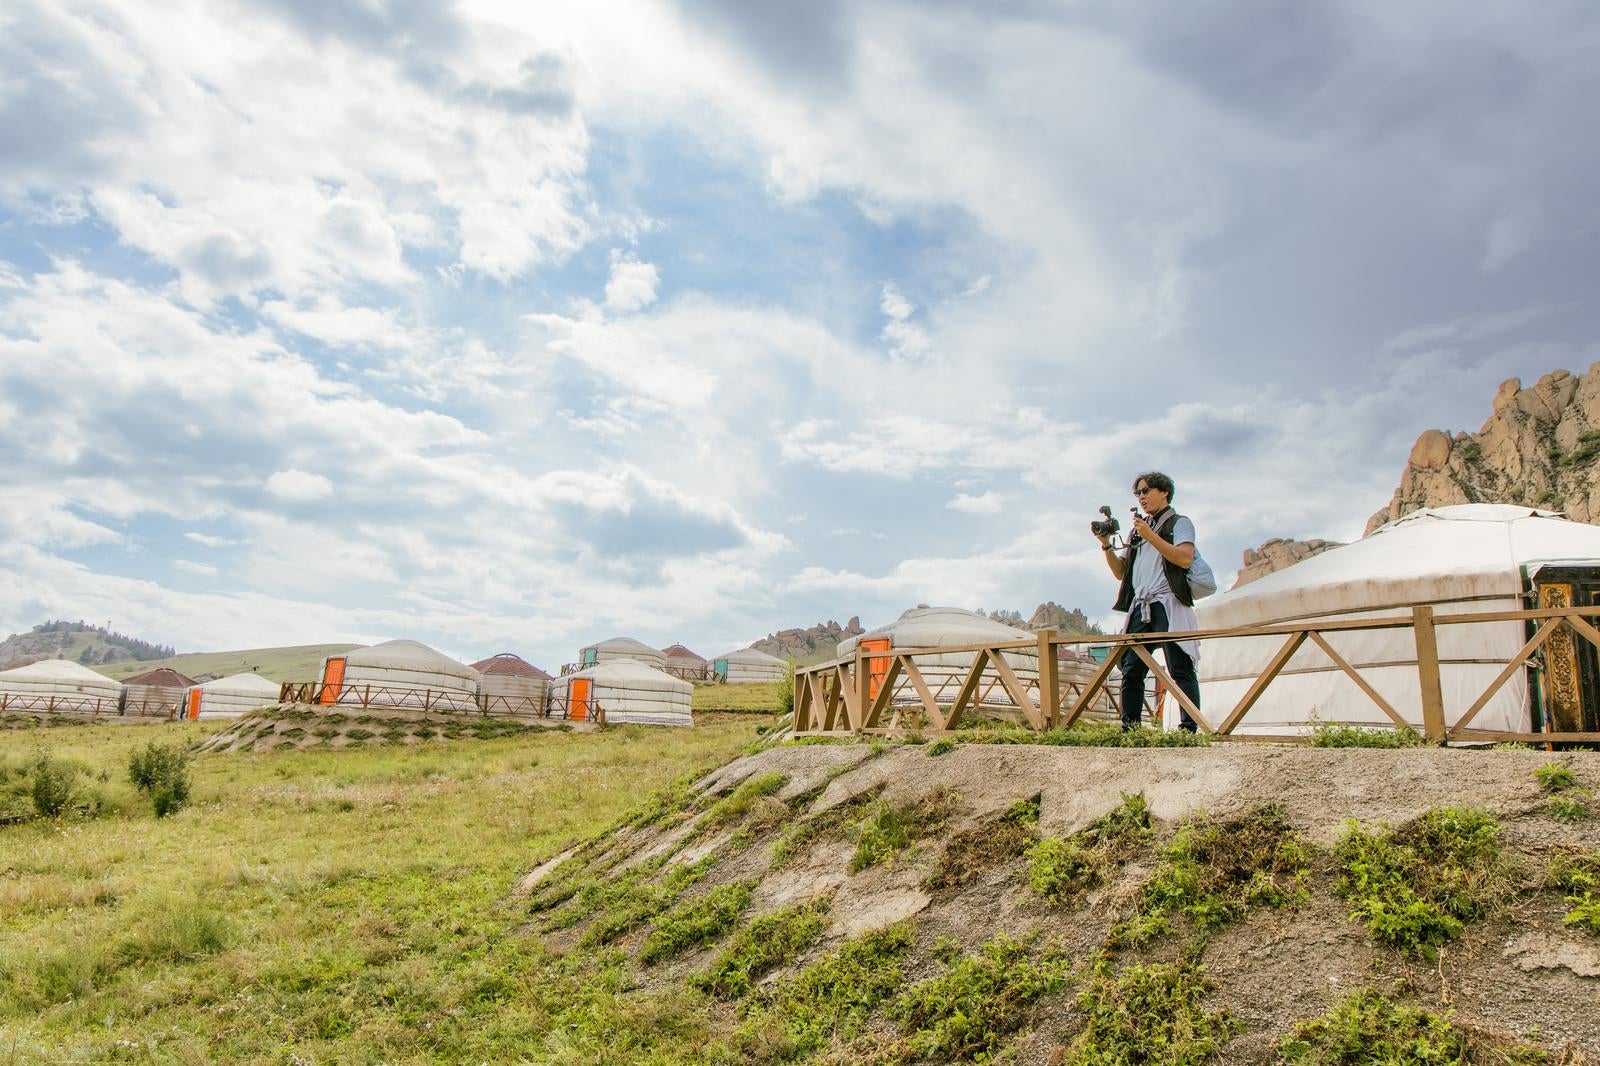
{"points": [[754, 657], [408, 655], [248, 684], [939, 627], [627, 646], [1464, 559], [61, 671]]}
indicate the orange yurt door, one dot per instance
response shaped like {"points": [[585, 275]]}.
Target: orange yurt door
{"points": [[578, 699], [877, 665], [332, 681], [194, 703]]}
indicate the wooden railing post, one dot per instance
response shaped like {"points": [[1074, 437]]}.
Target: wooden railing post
{"points": [[1049, 680], [1428, 673], [863, 680]]}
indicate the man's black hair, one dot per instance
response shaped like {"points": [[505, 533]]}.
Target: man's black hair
{"points": [[1158, 481]]}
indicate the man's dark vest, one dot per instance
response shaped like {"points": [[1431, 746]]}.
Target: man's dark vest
{"points": [[1177, 576]]}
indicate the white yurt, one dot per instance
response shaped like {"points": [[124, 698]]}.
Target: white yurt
{"points": [[1464, 559], [748, 666], [937, 627], [681, 662], [510, 685], [620, 648], [626, 691], [157, 693], [398, 673], [59, 685], [230, 697]]}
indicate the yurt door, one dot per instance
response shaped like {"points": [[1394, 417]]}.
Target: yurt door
{"points": [[1571, 696], [719, 668], [878, 665], [332, 681], [590, 655], [194, 703], [578, 699]]}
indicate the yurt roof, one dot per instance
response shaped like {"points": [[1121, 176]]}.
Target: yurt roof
{"points": [[509, 663], [751, 655], [626, 671], [58, 670], [242, 683], [407, 655], [161, 677], [937, 627], [624, 646], [1437, 553], [678, 651]]}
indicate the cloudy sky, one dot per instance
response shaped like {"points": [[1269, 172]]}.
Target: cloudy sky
{"points": [[514, 326]]}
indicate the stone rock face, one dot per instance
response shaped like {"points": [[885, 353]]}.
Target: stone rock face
{"points": [[1540, 447], [1051, 615], [800, 643], [1276, 554]]}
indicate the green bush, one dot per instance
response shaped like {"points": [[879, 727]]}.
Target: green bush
{"points": [[1366, 1027], [969, 1010], [786, 690], [1413, 887], [1337, 735], [1147, 1015], [1555, 776], [767, 942], [696, 922], [1578, 875], [162, 772], [54, 786]]}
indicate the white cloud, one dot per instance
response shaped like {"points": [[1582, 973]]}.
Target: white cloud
{"points": [[632, 284], [209, 540], [189, 566], [987, 503], [297, 486]]}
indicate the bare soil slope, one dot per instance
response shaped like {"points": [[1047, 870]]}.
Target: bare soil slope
{"points": [[871, 836]]}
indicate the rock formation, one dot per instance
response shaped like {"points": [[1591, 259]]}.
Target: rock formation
{"points": [[803, 643], [1276, 554], [1051, 615], [1540, 447]]}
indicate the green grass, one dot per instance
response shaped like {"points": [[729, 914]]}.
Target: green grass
{"points": [[1367, 1027], [983, 847], [1214, 872], [1555, 776], [1569, 809], [1578, 875], [888, 829], [1336, 735], [1414, 886], [696, 922], [757, 697], [1148, 1015], [300, 663], [349, 906], [767, 942], [1058, 869], [1086, 735]]}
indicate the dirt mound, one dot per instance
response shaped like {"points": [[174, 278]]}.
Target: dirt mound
{"points": [[1040, 898], [299, 725]]}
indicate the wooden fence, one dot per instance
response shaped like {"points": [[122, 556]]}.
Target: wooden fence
{"points": [[854, 694], [379, 697], [15, 702]]}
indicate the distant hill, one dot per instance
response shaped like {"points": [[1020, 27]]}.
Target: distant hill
{"points": [[813, 645], [81, 642], [300, 663]]}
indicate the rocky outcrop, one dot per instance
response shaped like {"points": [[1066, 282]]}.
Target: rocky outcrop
{"points": [[1051, 615], [802, 643], [1540, 447], [1276, 554]]}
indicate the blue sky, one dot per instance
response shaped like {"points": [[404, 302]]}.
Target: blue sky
{"points": [[511, 327]]}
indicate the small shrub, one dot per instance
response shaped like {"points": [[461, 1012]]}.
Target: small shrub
{"points": [[696, 922], [1569, 809], [1338, 735], [628, 902], [942, 746], [1148, 1014], [1413, 887], [54, 785], [1214, 872], [1555, 776], [968, 1011], [786, 689], [888, 830], [767, 942], [162, 772], [1368, 1027], [1578, 875]]}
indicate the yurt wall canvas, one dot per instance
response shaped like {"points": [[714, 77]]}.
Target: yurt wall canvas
{"points": [[509, 685], [231, 696], [156, 693], [58, 685], [681, 662], [628, 692], [621, 648], [398, 673], [1463, 560], [748, 666], [934, 627]]}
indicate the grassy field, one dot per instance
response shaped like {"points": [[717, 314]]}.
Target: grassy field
{"points": [[762, 697], [302, 663], [338, 906]]}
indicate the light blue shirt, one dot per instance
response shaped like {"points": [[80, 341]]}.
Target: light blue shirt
{"points": [[1150, 586]]}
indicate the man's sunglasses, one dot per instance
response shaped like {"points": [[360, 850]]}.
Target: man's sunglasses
{"points": [[1141, 492]]}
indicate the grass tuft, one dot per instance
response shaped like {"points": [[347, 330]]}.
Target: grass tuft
{"points": [[1338, 735], [887, 830], [768, 942], [696, 922], [1413, 887], [1569, 809], [1085, 735], [1147, 1015], [1555, 776], [1578, 875], [984, 847], [1368, 1027]]}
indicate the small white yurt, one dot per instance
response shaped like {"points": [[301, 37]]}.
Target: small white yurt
{"points": [[230, 697], [1465, 559], [620, 648], [748, 666], [158, 693], [626, 691], [510, 685], [59, 685], [398, 673], [937, 627], [681, 662]]}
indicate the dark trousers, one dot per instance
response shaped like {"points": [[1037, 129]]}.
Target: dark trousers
{"points": [[1134, 671]]}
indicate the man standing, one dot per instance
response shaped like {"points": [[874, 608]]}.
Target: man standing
{"points": [[1155, 593]]}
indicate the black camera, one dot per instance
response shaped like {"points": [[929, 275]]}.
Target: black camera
{"points": [[1107, 527]]}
